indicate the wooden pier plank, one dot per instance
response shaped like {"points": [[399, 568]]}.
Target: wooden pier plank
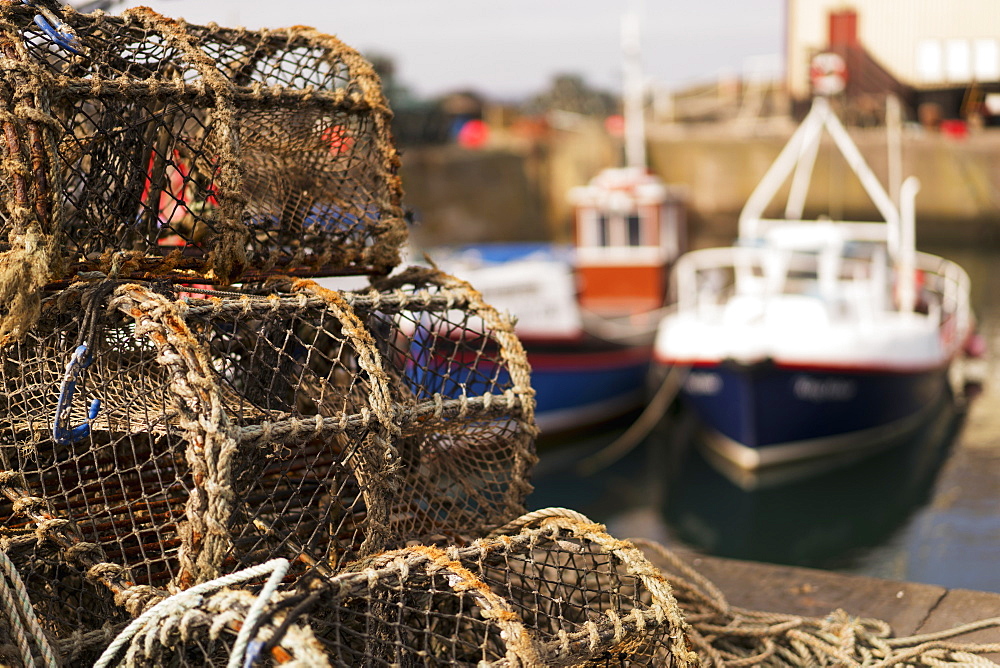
{"points": [[909, 608], [961, 606]]}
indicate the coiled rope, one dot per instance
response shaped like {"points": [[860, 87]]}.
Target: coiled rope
{"points": [[17, 606], [536, 516], [178, 603], [729, 637]]}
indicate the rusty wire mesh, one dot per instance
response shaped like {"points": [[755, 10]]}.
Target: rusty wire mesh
{"points": [[302, 423], [559, 593], [170, 150]]}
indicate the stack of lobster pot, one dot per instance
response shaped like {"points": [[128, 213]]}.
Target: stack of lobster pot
{"points": [[180, 397], [210, 457]]}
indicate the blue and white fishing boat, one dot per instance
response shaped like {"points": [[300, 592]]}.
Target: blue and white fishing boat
{"points": [[814, 337]]}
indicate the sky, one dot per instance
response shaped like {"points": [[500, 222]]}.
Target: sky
{"points": [[512, 49]]}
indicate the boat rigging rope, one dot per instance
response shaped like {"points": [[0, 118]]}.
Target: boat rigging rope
{"points": [[729, 637], [176, 604], [639, 429], [17, 606], [624, 329]]}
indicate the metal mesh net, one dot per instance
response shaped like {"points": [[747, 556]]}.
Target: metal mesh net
{"points": [[157, 148], [150, 443], [561, 593]]}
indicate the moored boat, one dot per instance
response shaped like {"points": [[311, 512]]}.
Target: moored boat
{"points": [[587, 314], [809, 338]]}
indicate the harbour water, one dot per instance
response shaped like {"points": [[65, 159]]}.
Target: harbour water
{"points": [[927, 510]]}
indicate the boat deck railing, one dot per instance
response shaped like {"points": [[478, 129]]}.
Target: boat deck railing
{"points": [[705, 279], [950, 283]]}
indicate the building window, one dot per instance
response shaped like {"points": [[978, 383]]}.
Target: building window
{"points": [[958, 60], [930, 61], [986, 59]]}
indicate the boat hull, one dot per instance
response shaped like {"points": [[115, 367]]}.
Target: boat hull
{"points": [[768, 414], [577, 386], [589, 361]]}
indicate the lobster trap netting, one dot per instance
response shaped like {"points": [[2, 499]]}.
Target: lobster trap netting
{"points": [[149, 147], [560, 592], [150, 440]]}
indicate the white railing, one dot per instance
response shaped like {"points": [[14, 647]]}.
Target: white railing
{"points": [[950, 284], [712, 274], [706, 278]]}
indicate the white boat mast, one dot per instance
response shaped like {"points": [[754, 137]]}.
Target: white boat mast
{"points": [[798, 155], [634, 92], [797, 159]]}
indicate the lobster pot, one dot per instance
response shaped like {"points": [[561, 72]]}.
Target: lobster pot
{"points": [[564, 593], [307, 424], [176, 150]]}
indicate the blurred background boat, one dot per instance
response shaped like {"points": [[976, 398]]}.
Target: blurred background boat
{"points": [[588, 312], [811, 338]]}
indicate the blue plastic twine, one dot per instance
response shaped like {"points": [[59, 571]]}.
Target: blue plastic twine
{"points": [[63, 435]]}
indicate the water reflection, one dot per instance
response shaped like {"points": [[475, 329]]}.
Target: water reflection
{"points": [[828, 517]]}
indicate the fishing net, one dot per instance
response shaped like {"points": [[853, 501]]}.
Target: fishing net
{"points": [[152, 439], [146, 147], [560, 592]]}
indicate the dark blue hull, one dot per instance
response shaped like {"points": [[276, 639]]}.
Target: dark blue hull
{"points": [[765, 414], [577, 386]]}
